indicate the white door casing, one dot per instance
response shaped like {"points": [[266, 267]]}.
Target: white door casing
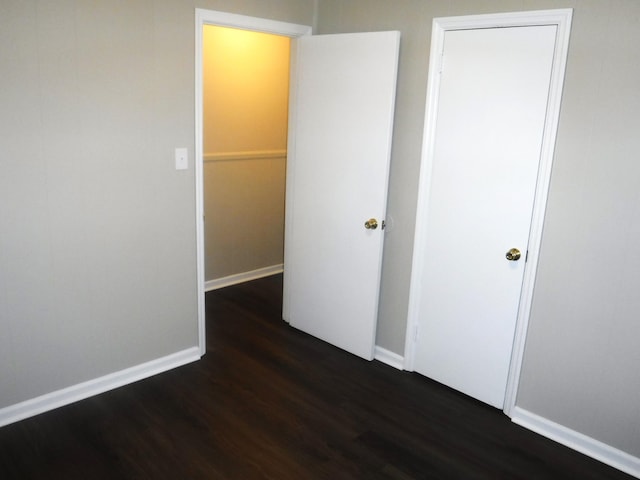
{"points": [[489, 136], [341, 121]]}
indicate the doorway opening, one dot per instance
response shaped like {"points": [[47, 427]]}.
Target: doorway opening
{"points": [[245, 111], [225, 157]]}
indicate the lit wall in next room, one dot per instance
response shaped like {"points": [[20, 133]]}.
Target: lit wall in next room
{"points": [[246, 89]]}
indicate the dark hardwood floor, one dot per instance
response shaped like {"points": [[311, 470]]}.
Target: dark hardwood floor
{"points": [[268, 401]]}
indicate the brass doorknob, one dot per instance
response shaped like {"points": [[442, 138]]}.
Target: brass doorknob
{"points": [[513, 255], [371, 224]]}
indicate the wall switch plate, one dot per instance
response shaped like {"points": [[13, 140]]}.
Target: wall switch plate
{"points": [[182, 159]]}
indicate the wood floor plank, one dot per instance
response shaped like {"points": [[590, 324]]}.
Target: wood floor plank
{"points": [[270, 402]]}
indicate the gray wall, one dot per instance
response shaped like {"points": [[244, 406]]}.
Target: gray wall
{"points": [[582, 356], [97, 232]]}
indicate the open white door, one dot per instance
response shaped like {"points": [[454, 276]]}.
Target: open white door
{"points": [[342, 105]]}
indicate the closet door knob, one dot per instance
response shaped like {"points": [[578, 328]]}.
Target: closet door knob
{"points": [[513, 255], [371, 224]]}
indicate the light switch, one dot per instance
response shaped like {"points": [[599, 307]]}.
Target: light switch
{"points": [[182, 159]]}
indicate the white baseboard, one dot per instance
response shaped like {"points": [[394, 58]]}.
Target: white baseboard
{"points": [[577, 441], [386, 356], [242, 277], [80, 391]]}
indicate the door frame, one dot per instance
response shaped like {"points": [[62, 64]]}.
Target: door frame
{"points": [[562, 19], [221, 19]]}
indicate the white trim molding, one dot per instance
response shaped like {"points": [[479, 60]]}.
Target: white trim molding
{"points": [[80, 391], [243, 277], [388, 357], [250, 155], [577, 441], [244, 22]]}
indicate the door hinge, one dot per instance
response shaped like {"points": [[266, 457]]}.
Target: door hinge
{"points": [[441, 63], [415, 333]]}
